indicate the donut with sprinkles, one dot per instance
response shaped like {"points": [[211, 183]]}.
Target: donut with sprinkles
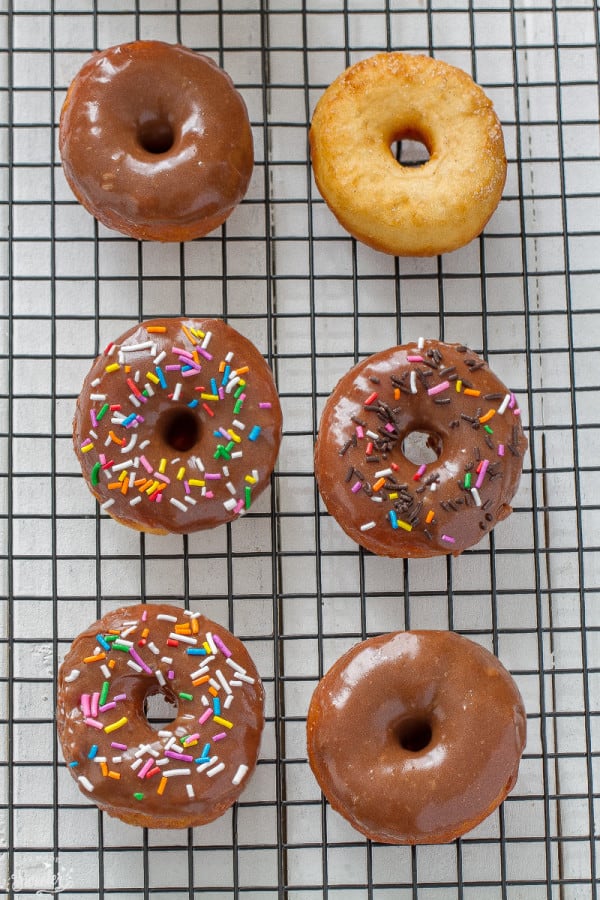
{"points": [[420, 450], [192, 769], [178, 425]]}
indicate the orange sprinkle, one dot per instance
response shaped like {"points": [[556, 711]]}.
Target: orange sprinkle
{"points": [[116, 775], [183, 628], [490, 414], [471, 392], [115, 439], [104, 769], [125, 486], [156, 329], [202, 680], [243, 370], [189, 336], [162, 785], [396, 393], [114, 631], [379, 484], [195, 626], [196, 357], [127, 370], [140, 483], [113, 485], [212, 691], [430, 516], [88, 659], [111, 663], [145, 632], [222, 366]]}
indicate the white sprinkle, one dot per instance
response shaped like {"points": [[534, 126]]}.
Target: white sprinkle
{"points": [[237, 454], [158, 359], [172, 740], [231, 384], [199, 672], [105, 671], [476, 497], [133, 348], [117, 759], [122, 465], [214, 684], [133, 665], [133, 399], [179, 504], [184, 638], [216, 770], [144, 444], [420, 343], [174, 772], [125, 643], [189, 500], [196, 461], [165, 733], [230, 504], [239, 424], [131, 444], [72, 676], [413, 382], [99, 759], [372, 435], [223, 681], [234, 665], [206, 765], [383, 472], [504, 404], [149, 390], [86, 783], [146, 748], [190, 791], [228, 701], [98, 397], [255, 474], [245, 678], [204, 700], [367, 526], [192, 615], [163, 617], [235, 683], [164, 761], [211, 643], [95, 382], [160, 677], [131, 479], [135, 765], [230, 487], [377, 499], [153, 648], [239, 774], [167, 659], [135, 501], [225, 470], [206, 340], [136, 377], [107, 503], [177, 391], [229, 356]]}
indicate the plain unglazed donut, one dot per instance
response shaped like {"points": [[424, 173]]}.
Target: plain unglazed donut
{"points": [[428, 401], [155, 141], [178, 425], [415, 737], [408, 211], [192, 769]]}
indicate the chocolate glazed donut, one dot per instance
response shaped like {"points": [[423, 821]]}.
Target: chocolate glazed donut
{"points": [[155, 141], [416, 737]]}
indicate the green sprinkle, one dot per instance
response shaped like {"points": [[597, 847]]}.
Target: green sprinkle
{"points": [[230, 446], [468, 480], [221, 452], [138, 795], [95, 476], [102, 412], [185, 696], [238, 392], [488, 429], [104, 693], [111, 638], [238, 407], [123, 647], [248, 493]]}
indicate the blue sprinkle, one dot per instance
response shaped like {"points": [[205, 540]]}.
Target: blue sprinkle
{"points": [[393, 518], [196, 651], [131, 418], [213, 386], [161, 377], [206, 751], [226, 375], [185, 369], [254, 433], [104, 644], [202, 759], [93, 751], [217, 706], [193, 403], [73, 764]]}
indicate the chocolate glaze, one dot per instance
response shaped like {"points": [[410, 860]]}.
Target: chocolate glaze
{"points": [[391, 396], [155, 141], [175, 444], [443, 695], [173, 807]]}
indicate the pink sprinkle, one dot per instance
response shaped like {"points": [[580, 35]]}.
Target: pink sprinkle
{"points": [[140, 419], [102, 459], [438, 388], [186, 487], [205, 716], [144, 615], [106, 706], [221, 393], [120, 697], [500, 449], [224, 433], [448, 539], [356, 487], [146, 464], [204, 353], [85, 705], [513, 401], [179, 352], [191, 737], [222, 647], [162, 478], [238, 507], [480, 478], [93, 418], [172, 368], [158, 497], [360, 432], [242, 397], [420, 471], [118, 746], [86, 443], [171, 674], [94, 705], [220, 736], [389, 428], [94, 724], [193, 370], [209, 495], [146, 768], [516, 412], [212, 476], [265, 405], [184, 757], [414, 359]]}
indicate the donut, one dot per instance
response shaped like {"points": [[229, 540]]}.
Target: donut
{"points": [[155, 141], [420, 450], [191, 770], [178, 425], [415, 737], [408, 210]]}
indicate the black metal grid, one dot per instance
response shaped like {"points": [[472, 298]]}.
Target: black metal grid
{"points": [[285, 578]]}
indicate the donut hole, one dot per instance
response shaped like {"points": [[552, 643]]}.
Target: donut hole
{"points": [[160, 709], [414, 734], [411, 150], [179, 429], [155, 135], [422, 447]]}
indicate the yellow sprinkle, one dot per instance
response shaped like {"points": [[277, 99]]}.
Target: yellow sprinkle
{"points": [[115, 725], [209, 396], [197, 332], [153, 487], [163, 465], [250, 479], [196, 482], [221, 721], [152, 377], [87, 447], [181, 473], [234, 436], [458, 386], [206, 646], [393, 496], [124, 474], [404, 525], [113, 367]]}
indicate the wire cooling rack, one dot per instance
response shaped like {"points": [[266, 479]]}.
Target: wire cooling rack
{"points": [[285, 578]]}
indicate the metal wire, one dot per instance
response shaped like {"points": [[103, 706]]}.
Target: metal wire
{"points": [[285, 578]]}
